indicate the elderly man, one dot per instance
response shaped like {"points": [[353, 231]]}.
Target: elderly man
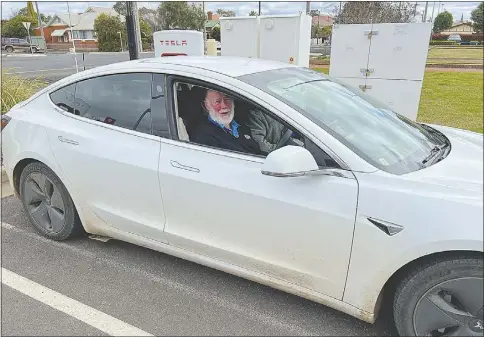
{"points": [[220, 129]]}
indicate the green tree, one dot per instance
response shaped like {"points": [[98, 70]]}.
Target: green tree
{"points": [[30, 10], [180, 15], [359, 12], [325, 32], [146, 34], [253, 13], [225, 13], [216, 33], [477, 17], [15, 28], [120, 8], [443, 21], [107, 28]]}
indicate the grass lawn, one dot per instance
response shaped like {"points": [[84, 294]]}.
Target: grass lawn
{"points": [[451, 98], [458, 52]]}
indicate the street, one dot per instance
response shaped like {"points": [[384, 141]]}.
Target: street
{"points": [[53, 67], [93, 288]]}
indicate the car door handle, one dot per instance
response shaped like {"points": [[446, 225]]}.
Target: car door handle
{"points": [[183, 167], [69, 141]]}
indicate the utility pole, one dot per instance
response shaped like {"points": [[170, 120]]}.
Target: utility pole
{"points": [[133, 47], [308, 7], [137, 26], [425, 11], [259, 8], [41, 25]]}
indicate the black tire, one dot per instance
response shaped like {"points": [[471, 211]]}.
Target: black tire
{"points": [[9, 49], [34, 49], [429, 287], [71, 225]]}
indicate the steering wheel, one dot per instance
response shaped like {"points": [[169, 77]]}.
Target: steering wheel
{"points": [[285, 137]]}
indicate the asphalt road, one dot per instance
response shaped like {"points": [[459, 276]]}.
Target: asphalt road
{"points": [[142, 289], [53, 67]]}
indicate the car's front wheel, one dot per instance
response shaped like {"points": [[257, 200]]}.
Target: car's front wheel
{"points": [[47, 203], [9, 49], [443, 297]]}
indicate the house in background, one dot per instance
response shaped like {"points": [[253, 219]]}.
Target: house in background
{"points": [[213, 20], [461, 28], [57, 31], [322, 20]]}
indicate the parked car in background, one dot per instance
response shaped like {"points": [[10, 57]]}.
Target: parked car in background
{"points": [[12, 44], [455, 37]]}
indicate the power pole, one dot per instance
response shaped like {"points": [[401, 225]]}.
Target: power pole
{"points": [[425, 11], [137, 26], [308, 7], [133, 47], [41, 25], [259, 8]]}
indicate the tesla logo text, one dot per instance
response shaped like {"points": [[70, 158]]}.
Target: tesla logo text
{"points": [[479, 325], [173, 43]]}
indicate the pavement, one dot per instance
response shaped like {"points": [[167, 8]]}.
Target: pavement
{"points": [[91, 288]]}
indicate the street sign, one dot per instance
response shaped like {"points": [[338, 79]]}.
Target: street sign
{"points": [[26, 25]]}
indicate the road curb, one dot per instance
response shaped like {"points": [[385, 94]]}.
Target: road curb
{"points": [[22, 55], [4, 175]]}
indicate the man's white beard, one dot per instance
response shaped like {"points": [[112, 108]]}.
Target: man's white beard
{"points": [[222, 119]]}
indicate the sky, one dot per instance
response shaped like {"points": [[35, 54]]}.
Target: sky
{"points": [[241, 8]]}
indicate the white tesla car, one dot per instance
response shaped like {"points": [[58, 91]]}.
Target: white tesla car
{"points": [[349, 204]]}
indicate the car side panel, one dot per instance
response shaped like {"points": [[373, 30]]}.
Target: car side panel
{"points": [[428, 229]]}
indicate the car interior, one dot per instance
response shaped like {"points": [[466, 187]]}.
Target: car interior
{"points": [[189, 100]]}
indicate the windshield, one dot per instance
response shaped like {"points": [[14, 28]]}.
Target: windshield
{"points": [[372, 130]]}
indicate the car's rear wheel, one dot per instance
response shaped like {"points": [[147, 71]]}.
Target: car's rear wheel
{"points": [[47, 203], [443, 297], [34, 49], [9, 49]]}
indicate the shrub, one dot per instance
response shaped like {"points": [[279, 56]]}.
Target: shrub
{"points": [[439, 37], [442, 43], [474, 37], [16, 89]]}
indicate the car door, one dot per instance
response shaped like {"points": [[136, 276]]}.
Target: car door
{"points": [[219, 204], [105, 147]]}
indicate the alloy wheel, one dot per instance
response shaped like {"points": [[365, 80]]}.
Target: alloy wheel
{"points": [[44, 203], [451, 308]]}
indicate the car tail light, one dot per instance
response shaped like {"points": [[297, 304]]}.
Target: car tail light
{"points": [[5, 120]]}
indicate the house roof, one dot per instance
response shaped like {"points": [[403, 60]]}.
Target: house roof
{"points": [[211, 23], [323, 20], [85, 21], [64, 17]]}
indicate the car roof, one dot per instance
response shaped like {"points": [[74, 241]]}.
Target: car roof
{"points": [[226, 65]]}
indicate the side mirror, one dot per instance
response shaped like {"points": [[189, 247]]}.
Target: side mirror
{"points": [[290, 161]]}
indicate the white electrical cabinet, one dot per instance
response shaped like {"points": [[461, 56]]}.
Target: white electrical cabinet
{"points": [[285, 38], [386, 60], [239, 36]]}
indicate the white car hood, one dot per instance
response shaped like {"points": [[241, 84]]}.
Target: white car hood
{"points": [[462, 168]]}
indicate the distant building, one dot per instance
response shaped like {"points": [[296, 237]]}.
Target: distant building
{"points": [[57, 31], [461, 28], [322, 20], [213, 20]]}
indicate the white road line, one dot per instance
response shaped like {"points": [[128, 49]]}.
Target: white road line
{"points": [[95, 318], [39, 71], [219, 301]]}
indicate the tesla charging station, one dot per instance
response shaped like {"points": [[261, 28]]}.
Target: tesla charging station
{"points": [[386, 61], [178, 42], [284, 38]]}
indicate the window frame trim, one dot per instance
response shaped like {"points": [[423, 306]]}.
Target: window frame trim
{"points": [[171, 79], [101, 124]]}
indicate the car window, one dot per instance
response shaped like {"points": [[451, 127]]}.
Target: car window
{"points": [[64, 98], [221, 120], [378, 135], [122, 100]]}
